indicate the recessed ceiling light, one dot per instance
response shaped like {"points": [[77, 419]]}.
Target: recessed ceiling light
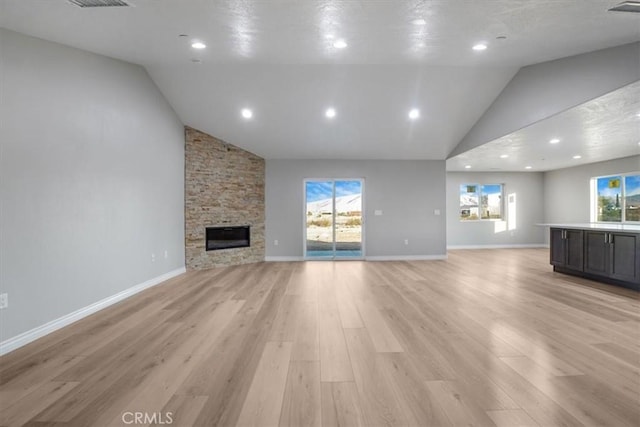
{"points": [[638, 115], [183, 35], [414, 113], [577, 156], [467, 167], [501, 38], [340, 44], [330, 113], [504, 156], [479, 46], [419, 21], [198, 45], [554, 141], [329, 36], [527, 167], [246, 113]]}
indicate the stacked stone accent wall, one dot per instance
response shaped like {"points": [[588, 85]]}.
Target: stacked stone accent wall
{"points": [[224, 186]]}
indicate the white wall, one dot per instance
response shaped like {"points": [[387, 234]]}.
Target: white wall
{"points": [[567, 192], [518, 230], [91, 173], [407, 192]]}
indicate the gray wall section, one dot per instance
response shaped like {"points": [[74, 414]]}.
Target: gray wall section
{"points": [[540, 91], [529, 210], [567, 192], [407, 193], [92, 178]]}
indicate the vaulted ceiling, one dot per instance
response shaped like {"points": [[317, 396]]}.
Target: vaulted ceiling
{"points": [[279, 59]]}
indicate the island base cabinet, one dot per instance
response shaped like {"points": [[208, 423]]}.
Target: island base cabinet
{"points": [[613, 255], [625, 257], [606, 256], [575, 249], [557, 246], [567, 248], [596, 252]]}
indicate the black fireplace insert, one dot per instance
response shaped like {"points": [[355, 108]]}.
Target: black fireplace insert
{"points": [[227, 237]]}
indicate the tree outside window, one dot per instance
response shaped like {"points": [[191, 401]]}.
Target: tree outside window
{"points": [[617, 198], [632, 198]]}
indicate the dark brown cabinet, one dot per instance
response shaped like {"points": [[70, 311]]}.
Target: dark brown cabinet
{"points": [[625, 256], [596, 250], [608, 256], [613, 254], [567, 248]]}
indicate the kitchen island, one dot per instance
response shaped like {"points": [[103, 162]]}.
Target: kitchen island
{"points": [[608, 253]]}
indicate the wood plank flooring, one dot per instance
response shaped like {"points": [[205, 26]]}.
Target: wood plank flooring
{"points": [[484, 338]]}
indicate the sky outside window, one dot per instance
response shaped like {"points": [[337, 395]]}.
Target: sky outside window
{"points": [[317, 190], [322, 190]]}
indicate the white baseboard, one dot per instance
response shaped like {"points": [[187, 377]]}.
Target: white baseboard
{"points": [[367, 258], [283, 258], [513, 246], [40, 331], [406, 257]]}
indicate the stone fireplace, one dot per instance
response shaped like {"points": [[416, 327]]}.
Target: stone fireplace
{"points": [[224, 188]]}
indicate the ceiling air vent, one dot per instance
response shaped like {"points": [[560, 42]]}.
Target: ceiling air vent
{"points": [[98, 3], [627, 6]]}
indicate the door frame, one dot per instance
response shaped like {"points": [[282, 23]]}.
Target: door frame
{"points": [[304, 221]]}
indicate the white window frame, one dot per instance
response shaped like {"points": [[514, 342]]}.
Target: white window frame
{"points": [[594, 198], [503, 214]]}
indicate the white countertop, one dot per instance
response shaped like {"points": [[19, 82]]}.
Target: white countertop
{"points": [[604, 226]]}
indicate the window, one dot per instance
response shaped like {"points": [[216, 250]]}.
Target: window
{"points": [[632, 198], [478, 202], [616, 198]]}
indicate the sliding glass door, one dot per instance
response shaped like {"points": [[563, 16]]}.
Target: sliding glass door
{"points": [[333, 219], [348, 219]]}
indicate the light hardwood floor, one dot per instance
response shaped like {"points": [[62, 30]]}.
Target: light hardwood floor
{"points": [[484, 338]]}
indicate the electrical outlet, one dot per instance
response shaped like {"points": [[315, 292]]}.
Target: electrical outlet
{"points": [[166, 254], [276, 243], [153, 257], [4, 301], [436, 212], [406, 241]]}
